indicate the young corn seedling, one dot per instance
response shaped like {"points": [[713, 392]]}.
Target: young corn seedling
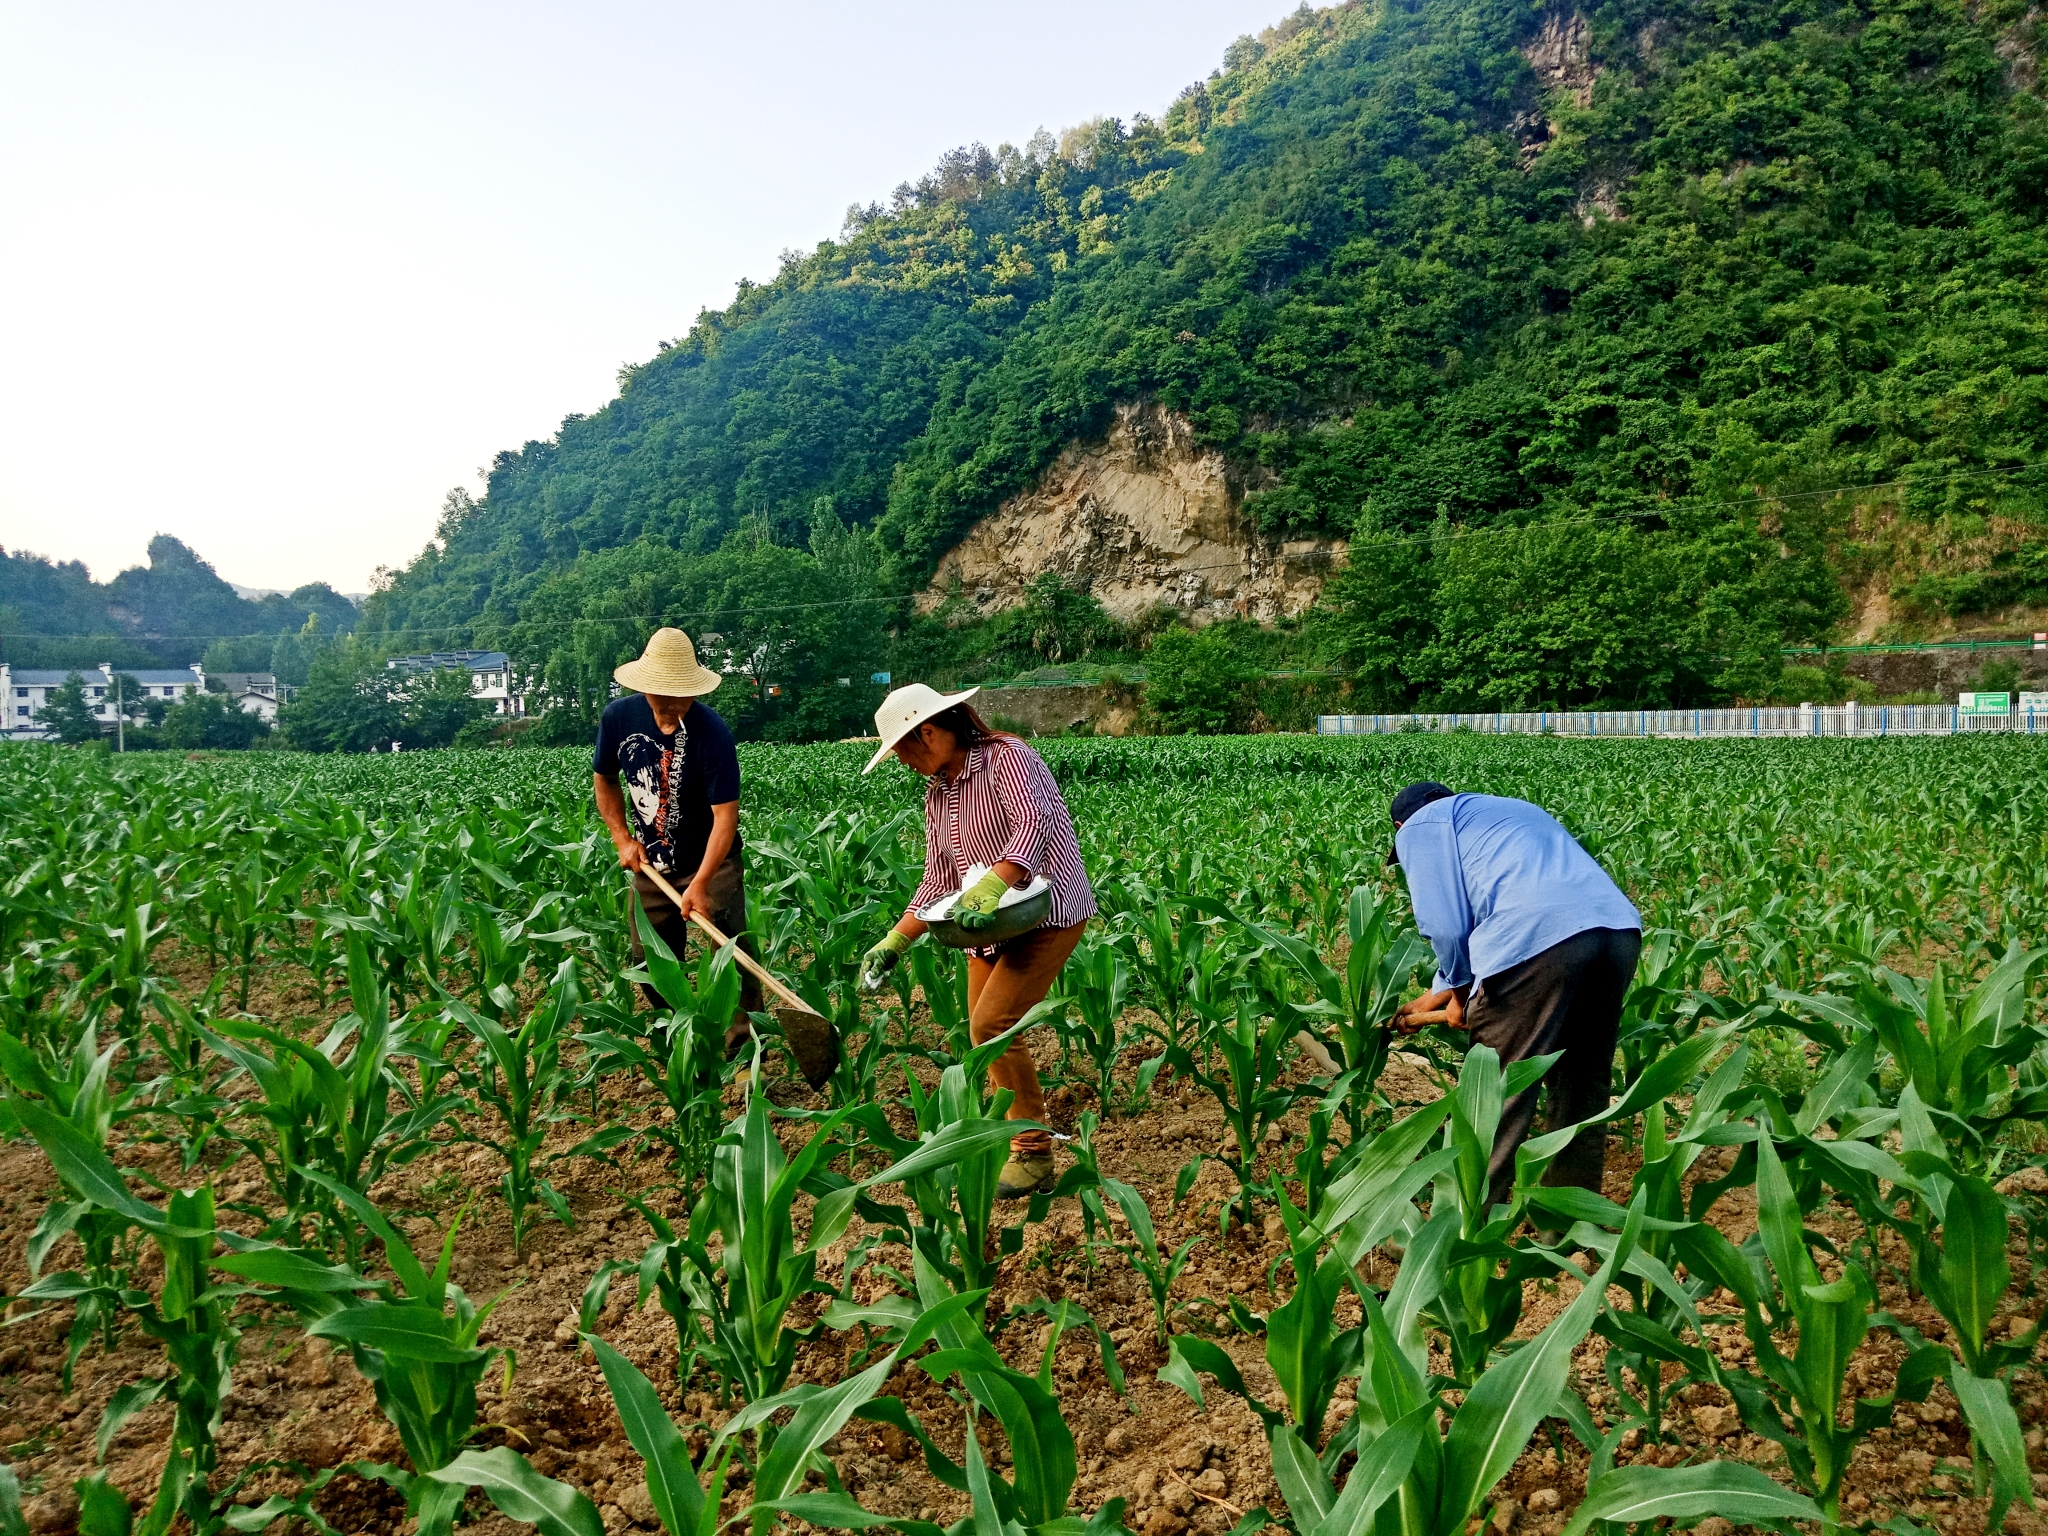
{"points": [[418, 1348], [1807, 1387], [328, 1108], [80, 1096], [950, 1173], [941, 977], [190, 1315], [1158, 1270], [1964, 1275], [1087, 1009], [1957, 1052], [687, 1506], [1429, 1480], [1357, 1002], [1247, 1082], [520, 1073], [683, 1060]]}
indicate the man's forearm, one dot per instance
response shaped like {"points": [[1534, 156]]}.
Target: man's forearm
{"points": [[611, 808], [725, 826]]}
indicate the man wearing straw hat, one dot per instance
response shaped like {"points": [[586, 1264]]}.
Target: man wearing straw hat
{"points": [[681, 770]]}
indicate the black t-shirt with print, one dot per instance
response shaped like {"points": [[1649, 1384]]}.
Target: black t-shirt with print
{"points": [[671, 781]]}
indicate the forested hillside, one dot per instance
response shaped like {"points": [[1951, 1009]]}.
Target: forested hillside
{"points": [[1574, 321], [170, 613]]}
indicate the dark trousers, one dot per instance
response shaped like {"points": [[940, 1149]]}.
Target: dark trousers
{"points": [[1566, 998], [729, 899]]}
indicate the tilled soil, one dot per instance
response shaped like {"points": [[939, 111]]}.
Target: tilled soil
{"points": [[1180, 1469]]}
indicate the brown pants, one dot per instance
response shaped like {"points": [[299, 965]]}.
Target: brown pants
{"points": [[1566, 998], [999, 993], [729, 898]]}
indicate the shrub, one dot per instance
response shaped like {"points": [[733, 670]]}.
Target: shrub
{"points": [[1196, 682]]}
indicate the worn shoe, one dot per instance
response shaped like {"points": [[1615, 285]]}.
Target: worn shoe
{"points": [[1023, 1176]]}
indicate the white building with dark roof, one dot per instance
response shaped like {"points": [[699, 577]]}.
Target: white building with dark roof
{"points": [[25, 690], [490, 675]]}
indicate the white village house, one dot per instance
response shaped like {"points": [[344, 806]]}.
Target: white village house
{"points": [[24, 691], [256, 692], [490, 675]]}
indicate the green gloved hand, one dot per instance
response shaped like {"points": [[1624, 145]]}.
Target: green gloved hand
{"points": [[976, 908], [881, 960]]}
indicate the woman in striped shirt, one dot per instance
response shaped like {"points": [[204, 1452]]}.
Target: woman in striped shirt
{"points": [[990, 800]]}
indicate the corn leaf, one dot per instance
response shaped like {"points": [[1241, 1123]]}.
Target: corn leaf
{"points": [[1726, 1488]]}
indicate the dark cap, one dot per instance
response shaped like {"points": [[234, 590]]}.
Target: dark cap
{"points": [[1412, 799]]}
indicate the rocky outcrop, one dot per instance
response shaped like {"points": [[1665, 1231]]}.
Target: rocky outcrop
{"points": [[1141, 518]]}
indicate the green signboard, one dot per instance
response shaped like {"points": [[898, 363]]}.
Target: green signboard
{"points": [[1984, 704]]}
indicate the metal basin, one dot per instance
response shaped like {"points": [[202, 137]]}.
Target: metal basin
{"points": [[1019, 914]]}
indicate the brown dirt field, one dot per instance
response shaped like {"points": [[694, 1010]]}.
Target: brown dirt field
{"points": [[1180, 1469]]}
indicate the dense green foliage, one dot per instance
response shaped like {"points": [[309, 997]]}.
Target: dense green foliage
{"points": [[171, 612], [1436, 270]]}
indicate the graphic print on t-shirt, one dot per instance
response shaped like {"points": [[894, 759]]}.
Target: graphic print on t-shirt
{"points": [[650, 769]]}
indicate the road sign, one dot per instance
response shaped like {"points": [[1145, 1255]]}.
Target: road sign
{"points": [[2036, 702], [1984, 703]]}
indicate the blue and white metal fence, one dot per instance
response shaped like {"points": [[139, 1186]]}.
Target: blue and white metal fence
{"points": [[1800, 720]]}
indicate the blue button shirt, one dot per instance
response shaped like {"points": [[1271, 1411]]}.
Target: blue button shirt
{"points": [[1495, 881]]}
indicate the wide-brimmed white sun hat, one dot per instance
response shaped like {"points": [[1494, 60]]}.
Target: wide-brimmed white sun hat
{"points": [[668, 667], [905, 710]]}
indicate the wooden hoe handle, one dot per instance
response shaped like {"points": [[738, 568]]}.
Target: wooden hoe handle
{"points": [[747, 962]]}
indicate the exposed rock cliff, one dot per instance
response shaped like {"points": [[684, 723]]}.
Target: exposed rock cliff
{"points": [[1140, 518]]}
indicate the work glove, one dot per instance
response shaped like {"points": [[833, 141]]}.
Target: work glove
{"points": [[881, 960], [976, 908]]}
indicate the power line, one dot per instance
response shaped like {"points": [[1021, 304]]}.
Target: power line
{"points": [[1657, 509]]}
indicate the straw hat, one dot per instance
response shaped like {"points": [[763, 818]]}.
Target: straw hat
{"points": [[668, 667], [905, 710]]}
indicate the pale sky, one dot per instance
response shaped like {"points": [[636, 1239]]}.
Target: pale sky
{"points": [[275, 276]]}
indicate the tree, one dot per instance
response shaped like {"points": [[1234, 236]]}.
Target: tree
{"points": [[66, 711], [350, 702], [435, 707], [211, 722], [1197, 681]]}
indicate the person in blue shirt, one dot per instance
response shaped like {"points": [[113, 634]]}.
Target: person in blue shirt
{"points": [[1535, 949], [670, 755]]}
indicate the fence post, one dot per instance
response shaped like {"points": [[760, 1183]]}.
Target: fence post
{"points": [[1695, 724]]}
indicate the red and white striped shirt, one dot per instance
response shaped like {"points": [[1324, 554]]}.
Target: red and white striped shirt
{"points": [[1003, 805]]}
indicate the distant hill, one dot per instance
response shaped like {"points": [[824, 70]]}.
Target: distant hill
{"points": [[172, 612], [1573, 320]]}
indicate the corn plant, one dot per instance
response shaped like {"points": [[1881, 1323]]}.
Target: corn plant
{"points": [[81, 1096], [190, 1315], [328, 1108], [1806, 1387], [1965, 1273], [687, 1507], [683, 1060], [1243, 1065], [1086, 1008], [941, 977], [418, 1348], [1957, 1052], [1142, 1252], [1430, 1479], [1357, 1001], [520, 1073], [951, 1172]]}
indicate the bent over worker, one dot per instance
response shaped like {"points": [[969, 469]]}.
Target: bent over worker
{"points": [[989, 800], [1535, 949], [681, 771]]}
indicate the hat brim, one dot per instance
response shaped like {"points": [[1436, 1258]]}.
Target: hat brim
{"points": [[946, 702], [643, 676]]}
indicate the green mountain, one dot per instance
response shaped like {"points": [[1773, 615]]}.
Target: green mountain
{"points": [[1577, 322], [170, 613]]}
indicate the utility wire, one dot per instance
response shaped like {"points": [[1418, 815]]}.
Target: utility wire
{"points": [[1657, 509]]}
